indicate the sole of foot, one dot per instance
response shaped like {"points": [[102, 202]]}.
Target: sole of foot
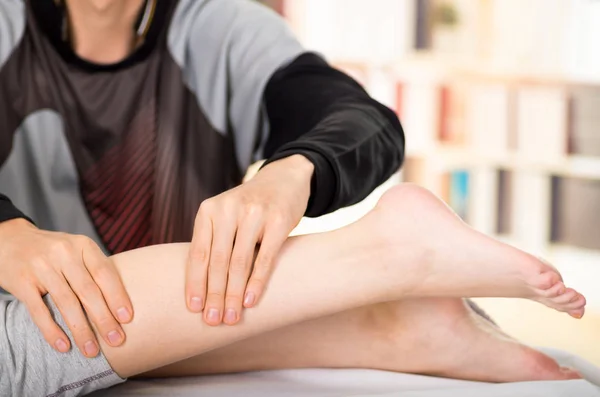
{"points": [[446, 338]]}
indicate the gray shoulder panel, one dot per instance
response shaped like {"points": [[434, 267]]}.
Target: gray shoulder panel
{"points": [[228, 50], [12, 27], [41, 179]]}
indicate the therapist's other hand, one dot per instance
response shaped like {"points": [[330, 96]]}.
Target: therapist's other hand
{"points": [[74, 271], [222, 275]]}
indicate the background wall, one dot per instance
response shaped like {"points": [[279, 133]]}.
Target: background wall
{"points": [[500, 101]]}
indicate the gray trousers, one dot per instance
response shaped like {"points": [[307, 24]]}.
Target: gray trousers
{"points": [[29, 367]]}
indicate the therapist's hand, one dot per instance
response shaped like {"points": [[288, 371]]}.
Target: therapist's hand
{"points": [[222, 276], [74, 271]]}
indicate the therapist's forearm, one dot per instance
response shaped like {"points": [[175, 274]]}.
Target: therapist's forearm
{"points": [[354, 142]]}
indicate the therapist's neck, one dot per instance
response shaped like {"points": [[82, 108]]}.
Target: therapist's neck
{"points": [[102, 31]]}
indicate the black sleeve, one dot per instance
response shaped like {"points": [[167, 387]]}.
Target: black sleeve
{"points": [[8, 211], [354, 142]]}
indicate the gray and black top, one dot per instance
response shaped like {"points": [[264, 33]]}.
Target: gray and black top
{"points": [[125, 153]]}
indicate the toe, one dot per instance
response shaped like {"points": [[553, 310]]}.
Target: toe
{"points": [[554, 288], [570, 374], [576, 304], [578, 313], [569, 296], [543, 367], [549, 280]]}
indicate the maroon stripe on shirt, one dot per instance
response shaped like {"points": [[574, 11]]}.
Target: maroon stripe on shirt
{"points": [[121, 206], [112, 206], [129, 216], [146, 240], [104, 169], [136, 159], [124, 240], [98, 170], [120, 187]]}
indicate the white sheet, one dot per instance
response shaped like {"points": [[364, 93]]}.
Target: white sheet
{"points": [[329, 383]]}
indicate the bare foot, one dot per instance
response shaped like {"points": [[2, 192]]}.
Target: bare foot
{"points": [[459, 261], [444, 337]]}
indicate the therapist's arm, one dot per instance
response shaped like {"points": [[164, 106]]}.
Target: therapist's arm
{"points": [[354, 142]]}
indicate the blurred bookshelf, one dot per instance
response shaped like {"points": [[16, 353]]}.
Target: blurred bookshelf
{"points": [[501, 112]]}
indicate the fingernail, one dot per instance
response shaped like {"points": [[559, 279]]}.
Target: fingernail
{"points": [[196, 304], [249, 299], [61, 345], [90, 348], [114, 338], [230, 316], [123, 315], [213, 315]]}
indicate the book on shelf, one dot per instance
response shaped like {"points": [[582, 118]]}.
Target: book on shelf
{"points": [[504, 212], [531, 210], [541, 123], [458, 183], [576, 212], [414, 169], [483, 199], [423, 25], [419, 170], [489, 117], [382, 86], [584, 134], [399, 108], [420, 114], [453, 112]]}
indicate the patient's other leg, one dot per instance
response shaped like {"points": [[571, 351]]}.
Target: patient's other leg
{"points": [[432, 336]]}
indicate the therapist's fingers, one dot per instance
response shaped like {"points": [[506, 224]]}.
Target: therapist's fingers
{"points": [[197, 264], [41, 316], [107, 277], [72, 312], [91, 297], [218, 267], [275, 235], [241, 265]]}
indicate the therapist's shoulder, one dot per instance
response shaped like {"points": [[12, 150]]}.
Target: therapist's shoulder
{"points": [[12, 27], [221, 14], [205, 25]]}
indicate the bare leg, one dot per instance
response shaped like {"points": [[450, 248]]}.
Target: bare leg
{"points": [[431, 336], [395, 253]]}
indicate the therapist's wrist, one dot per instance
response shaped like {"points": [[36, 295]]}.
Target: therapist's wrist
{"points": [[296, 167]]}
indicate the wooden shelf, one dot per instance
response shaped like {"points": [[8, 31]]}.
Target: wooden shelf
{"points": [[448, 158], [439, 65]]}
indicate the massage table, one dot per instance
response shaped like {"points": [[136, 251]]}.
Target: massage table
{"points": [[358, 382]]}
